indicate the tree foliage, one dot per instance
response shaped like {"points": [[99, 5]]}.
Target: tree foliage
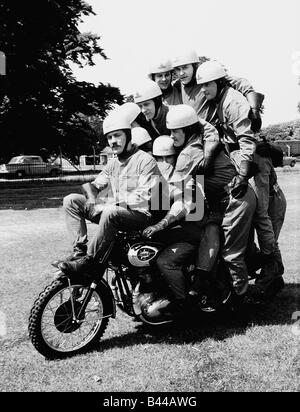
{"points": [[43, 105], [283, 131]]}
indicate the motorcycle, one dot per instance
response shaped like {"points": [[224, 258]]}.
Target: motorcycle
{"points": [[72, 314]]}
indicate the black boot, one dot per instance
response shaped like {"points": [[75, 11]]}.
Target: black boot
{"points": [[74, 256], [85, 264], [270, 280], [199, 282], [202, 292]]}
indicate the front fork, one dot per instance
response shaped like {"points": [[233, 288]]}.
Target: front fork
{"points": [[78, 317]]}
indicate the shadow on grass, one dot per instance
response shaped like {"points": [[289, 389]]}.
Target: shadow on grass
{"points": [[215, 326], [218, 327]]}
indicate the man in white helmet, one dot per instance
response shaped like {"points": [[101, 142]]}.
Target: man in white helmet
{"points": [[134, 178], [142, 139], [185, 66], [133, 113], [233, 215], [130, 111], [148, 96], [233, 113], [165, 154], [161, 73]]}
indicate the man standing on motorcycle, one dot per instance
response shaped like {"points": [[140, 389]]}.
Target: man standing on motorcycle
{"points": [[134, 178], [185, 66], [236, 127], [235, 214]]}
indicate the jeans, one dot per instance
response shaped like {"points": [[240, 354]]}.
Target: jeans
{"points": [[110, 220]]}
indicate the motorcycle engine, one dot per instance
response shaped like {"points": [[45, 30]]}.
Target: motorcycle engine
{"points": [[142, 254]]}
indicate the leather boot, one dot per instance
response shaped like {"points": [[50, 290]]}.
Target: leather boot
{"points": [[73, 256]]}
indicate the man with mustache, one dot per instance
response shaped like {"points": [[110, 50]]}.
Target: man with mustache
{"points": [[134, 178]]}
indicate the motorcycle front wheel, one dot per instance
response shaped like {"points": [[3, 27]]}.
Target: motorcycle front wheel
{"points": [[56, 330]]}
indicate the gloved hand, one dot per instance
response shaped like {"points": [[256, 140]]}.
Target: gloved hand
{"points": [[256, 122], [238, 186], [255, 101]]}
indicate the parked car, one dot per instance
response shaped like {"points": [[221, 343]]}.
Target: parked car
{"points": [[289, 161], [21, 166]]}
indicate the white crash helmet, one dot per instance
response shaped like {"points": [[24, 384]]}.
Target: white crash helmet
{"points": [[147, 90], [130, 110], [160, 67], [188, 57], [210, 71], [140, 136], [180, 116], [163, 146], [115, 121]]}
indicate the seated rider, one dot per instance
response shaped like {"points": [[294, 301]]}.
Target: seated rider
{"points": [[134, 178]]}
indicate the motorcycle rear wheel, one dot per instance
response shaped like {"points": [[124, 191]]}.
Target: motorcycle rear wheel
{"points": [[52, 330]]}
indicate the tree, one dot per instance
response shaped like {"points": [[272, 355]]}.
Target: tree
{"points": [[44, 106]]}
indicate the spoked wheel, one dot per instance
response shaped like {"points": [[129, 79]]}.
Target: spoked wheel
{"points": [[57, 328]]}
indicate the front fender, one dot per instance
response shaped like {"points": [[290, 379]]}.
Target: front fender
{"points": [[103, 288]]}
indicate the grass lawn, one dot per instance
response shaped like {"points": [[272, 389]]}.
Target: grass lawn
{"points": [[260, 353]]}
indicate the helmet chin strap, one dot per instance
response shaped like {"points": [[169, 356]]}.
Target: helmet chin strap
{"points": [[124, 152], [157, 105]]}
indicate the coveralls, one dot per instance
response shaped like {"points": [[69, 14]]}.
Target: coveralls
{"points": [[134, 182]]}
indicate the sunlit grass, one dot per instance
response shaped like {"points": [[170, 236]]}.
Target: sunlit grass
{"points": [[259, 353]]}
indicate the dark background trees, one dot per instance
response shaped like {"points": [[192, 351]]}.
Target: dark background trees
{"points": [[42, 104]]}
